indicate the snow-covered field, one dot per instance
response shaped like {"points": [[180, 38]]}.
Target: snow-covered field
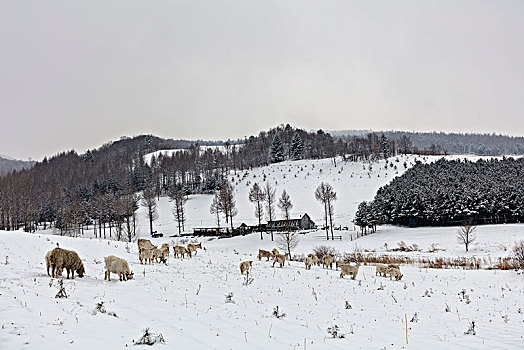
{"points": [[186, 300]]}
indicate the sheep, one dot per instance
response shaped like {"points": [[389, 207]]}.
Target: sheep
{"points": [[144, 244], [48, 264], [60, 259], [308, 262], [281, 258], [327, 260], [349, 270], [340, 263], [315, 259], [181, 250], [275, 251], [118, 266], [394, 266], [381, 270], [395, 273], [145, 255], [245, 266], [193, 247], [160, 255], [264, 254]]}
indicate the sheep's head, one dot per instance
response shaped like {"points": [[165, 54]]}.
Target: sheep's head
{"points": [[129, 275], [80, 271]]}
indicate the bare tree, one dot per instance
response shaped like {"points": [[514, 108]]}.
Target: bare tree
{"points": [[149, 202], [269, 193], [215, 208], [327, 195], [178, 210], [466, 234], [287, 240], [228, 202], [257, 196]]}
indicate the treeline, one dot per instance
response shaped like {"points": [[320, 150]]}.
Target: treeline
{"points": [[450, 192], [71, 192], [450, 143], [9, 165]]}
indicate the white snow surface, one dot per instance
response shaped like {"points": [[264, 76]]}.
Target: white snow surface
{"points": [[185, 300]]}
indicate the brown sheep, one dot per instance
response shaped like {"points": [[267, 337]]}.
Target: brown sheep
{"points": [[48, 264], [181, 250], [327, 260], [264, 254], [118, 266], [281, 258], [144, 244], [245, 266], [192, 248], [160, 255], [60, 259], [349, 270], [275, 251]]}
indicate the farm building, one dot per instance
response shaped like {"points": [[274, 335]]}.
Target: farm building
{"points": [[303, 223]]}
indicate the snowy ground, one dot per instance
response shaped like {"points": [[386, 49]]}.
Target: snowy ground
{"points": [[186, 300]]}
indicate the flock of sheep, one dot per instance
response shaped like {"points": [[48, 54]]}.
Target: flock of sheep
{"points": [[59, 259], [326, 261]]}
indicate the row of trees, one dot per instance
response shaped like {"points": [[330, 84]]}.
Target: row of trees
{"points": [[450, 192]]}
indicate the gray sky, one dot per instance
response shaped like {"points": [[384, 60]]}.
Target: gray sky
{"points": [[76, 74]]}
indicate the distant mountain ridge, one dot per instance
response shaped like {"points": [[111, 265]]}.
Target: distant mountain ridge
{"points": [[451, 143], [8, 164]]}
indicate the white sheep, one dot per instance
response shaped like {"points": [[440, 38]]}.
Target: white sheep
{"points": [[349, 270], [118, 266]]}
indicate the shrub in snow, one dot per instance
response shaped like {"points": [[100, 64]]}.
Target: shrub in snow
{"points": [[229, 298], [278, 313], [150, 338], [471, 329], [322, 250], [61, 290], [334, 331], [518, 255]]}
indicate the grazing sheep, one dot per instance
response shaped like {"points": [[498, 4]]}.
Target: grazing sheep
{"points": [[145, 255], [349, 270], [281, 258], [308, 262], [60, 259], [181, 250], [275, 251], [395, 273], [381, 270], [118, 266], [264, 254], [245, 266], [193, 247], [144, 244], [327, 260]]}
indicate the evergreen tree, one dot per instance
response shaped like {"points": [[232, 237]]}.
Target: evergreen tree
{"points": [[296, 147], [88, 156], [384, 146], [277, 150]]}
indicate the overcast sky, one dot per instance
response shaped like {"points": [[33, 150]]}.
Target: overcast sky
{"points": [[76, 74]]}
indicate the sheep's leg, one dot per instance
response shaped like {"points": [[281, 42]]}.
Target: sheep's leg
{"points": [[72, 274]]}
